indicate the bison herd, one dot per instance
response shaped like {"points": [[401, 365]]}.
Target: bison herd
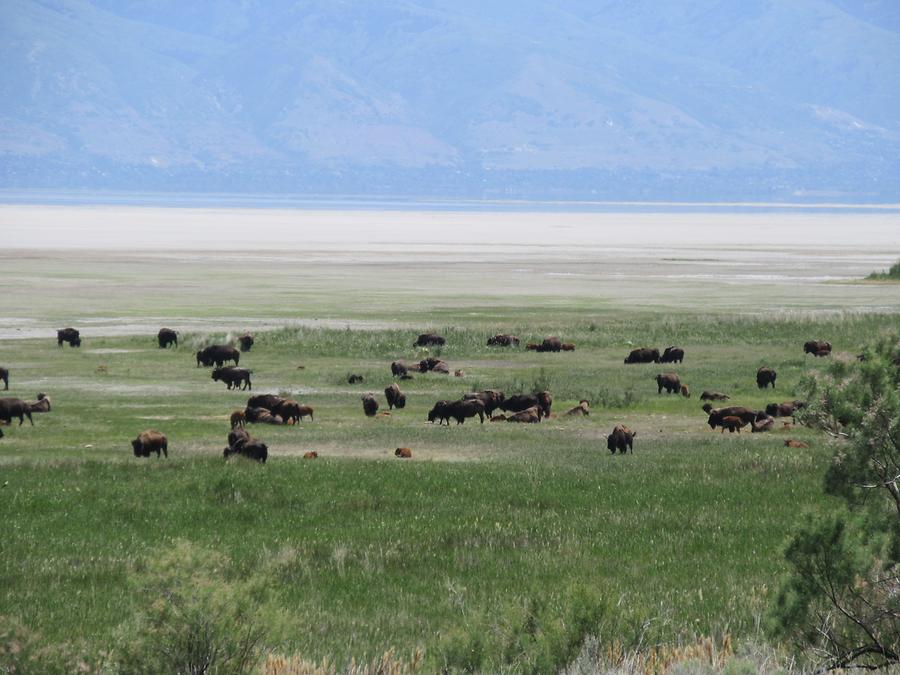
{"points": [[492, 404]]}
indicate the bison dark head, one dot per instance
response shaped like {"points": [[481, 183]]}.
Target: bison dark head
{"points": [[216, 374], [199, 357], [76, 342], [137, 447], [611, 443]]}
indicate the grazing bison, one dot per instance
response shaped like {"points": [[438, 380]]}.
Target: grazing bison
{"points": [[233, 377], [550, 344], [817, 347], [166, 338], [245, 342], [733, 423], [713, 396], [353, 378], [4, 375], [464, 408], [237, 437], [42, 405], [429, 340], [717, 416], [503, 340], [643, 355], [491, 398], [218, 355], [399, 369], [403, 453], [763, 423], [150, 441], [267, 401], [395, 397], [15, 407], [70, 335], [669, 382], [440, 412], [621, 439], [238, 419], [370, 405], [312, 454], [786, 409], [520, 402], [583, 408], [567, 347], [252, 449], [791, 443], [290, 410], [528, 416], [672, 355], [765, 376]]}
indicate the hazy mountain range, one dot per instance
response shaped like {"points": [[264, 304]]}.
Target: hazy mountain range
{"points": [[648, 99]]}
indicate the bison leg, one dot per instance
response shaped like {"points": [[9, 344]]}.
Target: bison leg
{"points": [[481, 415]]}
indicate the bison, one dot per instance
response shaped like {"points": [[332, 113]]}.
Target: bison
{"points": [[268, 401], [233, 377], [817, 347], [370, 405], [786, 409], [4, 375], [353, 378], [429, 340], [733, 423], [15, 407], [252, 449], [166, 338], [543, 400], [465, 408], [791, 443], [583, 408], [312, 454], [218, 355], [238, 419], [395, 397], [491, 398], [399, 369], [762, 423], [403, 453], [621, 439], [42, 405], [685, 391], [550, 344], [528, 416], [262, 416], [765, 376], [245, 342], [567, 347], [713, 396], [432, 364], [290, 410], [717, 416], [532, 347], [669, 382], [503, 340], [148, 442], [643, 355], [672, 355], [440, 412], [237, 437], [70, 335]]}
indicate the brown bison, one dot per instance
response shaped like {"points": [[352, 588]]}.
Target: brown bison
{"points": [[791, 443], [567, 347], [532, 347], [218, 355], [465, 408], [69, 335], [395, 397], [733, 423], [234, 377], [440, 412], [267, 401], [503, 340], [713, 396], [763, 423], [491, 398], [786, 409], [621, 439], [717, 416], [292, 411], [817, 347], [245, 342], [353, 378], [251, 449], [312, 454], [643, 355], [528, 416], [370, 405], [42, 405], [150, 441], [583, 408], [429, 340], [399, 369], [520, 402], [434, 365], [669, 382], [4, 375], [550, 344], [403, 453], [15, 407], [672, 355], [765, 376], [237, 436], [238, 419], [261, 416], [167, 338], [685, 391]]}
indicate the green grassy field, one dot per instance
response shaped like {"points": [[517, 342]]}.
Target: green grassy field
{"points": [[490, 533]]}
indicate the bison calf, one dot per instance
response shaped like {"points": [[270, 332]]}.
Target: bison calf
{"points": [[733, 423], [403, 453]]}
